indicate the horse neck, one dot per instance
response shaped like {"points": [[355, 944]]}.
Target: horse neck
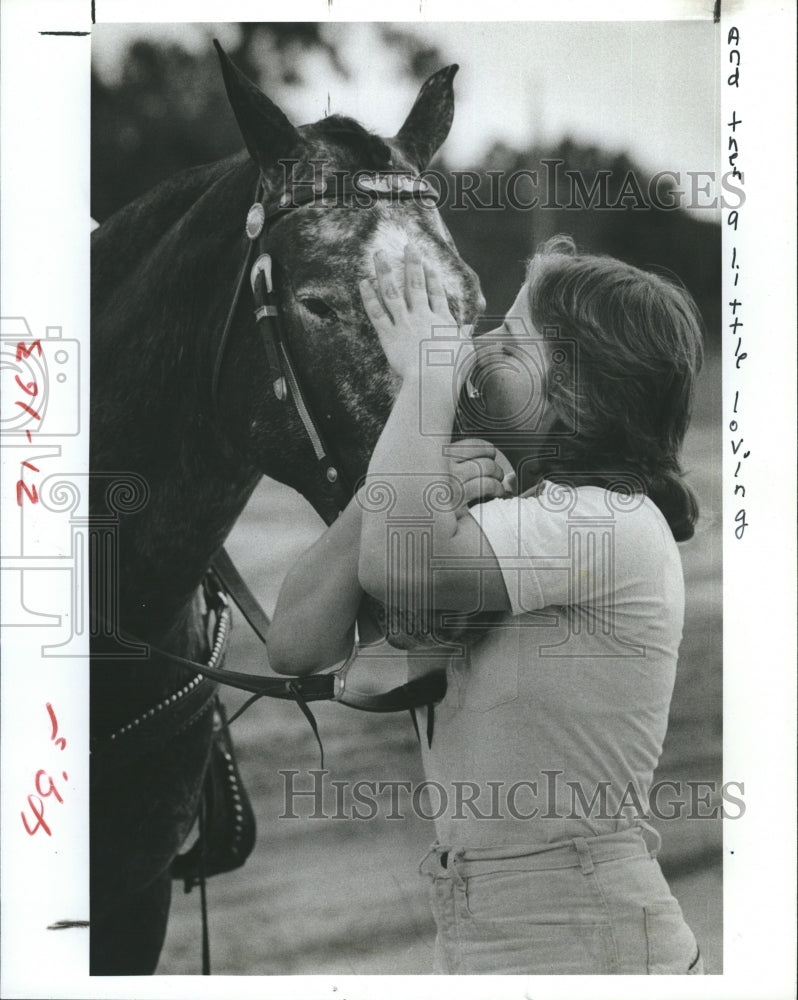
{"points": [[151, 327]]}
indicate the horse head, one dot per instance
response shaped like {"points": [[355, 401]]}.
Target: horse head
{"points": [[319, 252]]}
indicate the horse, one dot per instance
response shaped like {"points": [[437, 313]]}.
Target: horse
{"points": [[184, 422]]}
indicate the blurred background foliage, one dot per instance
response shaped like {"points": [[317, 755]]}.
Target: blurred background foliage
{"points": [[164, 109]]}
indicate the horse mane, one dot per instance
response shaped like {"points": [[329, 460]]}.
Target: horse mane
{"points": [[133, 232], [370, 151]]}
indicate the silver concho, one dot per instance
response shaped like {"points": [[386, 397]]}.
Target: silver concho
{"points": [[256, 217]]}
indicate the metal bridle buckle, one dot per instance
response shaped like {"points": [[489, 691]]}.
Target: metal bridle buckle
{"points": [[263, 265], [264, 310]]}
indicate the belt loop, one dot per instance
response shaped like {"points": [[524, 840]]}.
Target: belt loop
{"points": [[653, 838], [423, 868], [452, 864], [585, 860]]}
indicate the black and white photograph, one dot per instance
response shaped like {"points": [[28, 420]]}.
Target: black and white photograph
{"points": [[398, 502]]}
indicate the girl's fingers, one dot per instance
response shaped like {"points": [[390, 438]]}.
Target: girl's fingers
{"points": [[470, 448], [483, 468], [415, 282], [435, 293], [373, 304], [392, 298], [482, 489]]}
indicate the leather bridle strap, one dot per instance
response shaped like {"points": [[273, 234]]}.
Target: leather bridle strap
{"points": [[283, 373], [235, 586], [285, 383], [225, 337]]}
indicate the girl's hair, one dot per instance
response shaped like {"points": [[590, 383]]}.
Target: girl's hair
{"points": [[627, 391]]}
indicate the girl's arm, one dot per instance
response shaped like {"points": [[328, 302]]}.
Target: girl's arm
{"points": [[411, 457], [314, 621]]}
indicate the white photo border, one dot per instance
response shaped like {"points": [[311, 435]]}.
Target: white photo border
{"points": [[45, 267]]}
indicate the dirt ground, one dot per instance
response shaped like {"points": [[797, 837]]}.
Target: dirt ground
{"points": [[341, 896]]}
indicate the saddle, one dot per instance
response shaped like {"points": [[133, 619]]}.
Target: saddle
{"points": [[227, 826]]}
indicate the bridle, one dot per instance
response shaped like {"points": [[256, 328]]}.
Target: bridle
{"points": [[361, 189]]}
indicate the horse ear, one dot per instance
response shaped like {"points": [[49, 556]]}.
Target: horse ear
{"points": [[267, 133], [430, 118]]}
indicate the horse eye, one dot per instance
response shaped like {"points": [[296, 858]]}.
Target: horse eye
{"points": [[318, 307]]}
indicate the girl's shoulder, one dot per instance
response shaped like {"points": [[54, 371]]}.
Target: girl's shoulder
{"points": [[631, 515]]}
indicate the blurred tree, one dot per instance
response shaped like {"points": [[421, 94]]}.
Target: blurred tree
{"points": [[603, 200], [169, 109], [161, 117], [419, 58]]}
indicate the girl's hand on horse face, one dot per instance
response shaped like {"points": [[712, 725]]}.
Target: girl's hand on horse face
{"points": [[405, 321]]}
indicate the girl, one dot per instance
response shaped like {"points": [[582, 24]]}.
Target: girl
{"points": [[545, 744]]}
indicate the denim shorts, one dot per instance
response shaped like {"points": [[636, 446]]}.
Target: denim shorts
{"points": [[587, 906]]}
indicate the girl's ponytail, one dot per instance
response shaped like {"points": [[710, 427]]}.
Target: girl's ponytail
{"points": [[676, 501]]}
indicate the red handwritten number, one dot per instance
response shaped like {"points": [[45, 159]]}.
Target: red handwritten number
{"points": [[37, 808], [24, 352], [44, 792], [44, 785], [60, 742], [29, 387], [30, 492], [28, 409]]}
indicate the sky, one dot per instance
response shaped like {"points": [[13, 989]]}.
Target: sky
{"points": [[649, 89]]}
